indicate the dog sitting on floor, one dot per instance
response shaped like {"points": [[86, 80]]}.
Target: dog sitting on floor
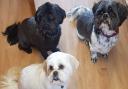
{"points": [[99, 27], [41, 31], [54, 73]]}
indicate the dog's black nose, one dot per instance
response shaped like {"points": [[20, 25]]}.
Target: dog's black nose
{"points": [[55, 73], [55, 76], [105, 15]]}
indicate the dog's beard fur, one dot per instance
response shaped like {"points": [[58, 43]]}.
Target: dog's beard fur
{"points": [[39, 76]]}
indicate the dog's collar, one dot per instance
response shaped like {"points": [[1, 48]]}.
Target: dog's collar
{"points": [[98, 31]]}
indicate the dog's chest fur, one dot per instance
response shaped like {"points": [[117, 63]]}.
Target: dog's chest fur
{"points": [[35, 38], [101, 43]]}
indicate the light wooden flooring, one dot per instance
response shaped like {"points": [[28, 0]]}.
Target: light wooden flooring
{"points": [[105, 74]]}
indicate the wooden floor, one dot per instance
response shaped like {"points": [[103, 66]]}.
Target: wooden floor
{"points": [[105, 74]]}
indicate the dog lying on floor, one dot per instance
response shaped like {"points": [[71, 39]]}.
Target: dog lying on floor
{"points": [[41, 31], [99, 27], [54, 73]]}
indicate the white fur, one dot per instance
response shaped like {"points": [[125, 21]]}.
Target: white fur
{"points": [[102, 44], [10, 79], [36, 77]]}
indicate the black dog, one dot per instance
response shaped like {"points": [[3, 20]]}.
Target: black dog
{"points": [[41, 31]]}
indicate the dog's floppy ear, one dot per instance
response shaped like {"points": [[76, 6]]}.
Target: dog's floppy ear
{"points": [[61, 14], [122, 11], [45, 67], [74, 62], [43, 9], [95, 6], [38, 15]]}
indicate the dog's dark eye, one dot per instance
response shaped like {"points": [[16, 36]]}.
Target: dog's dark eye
{"points": [[100, 12], [111, 12], [50, 67], [61, 66]]}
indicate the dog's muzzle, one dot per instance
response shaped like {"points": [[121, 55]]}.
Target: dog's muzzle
{"points": [[105, 15], [106, 18]]}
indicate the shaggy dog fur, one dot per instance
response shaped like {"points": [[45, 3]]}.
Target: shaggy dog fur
{"points": [[99, 26], [54, 73], [41, 31]]}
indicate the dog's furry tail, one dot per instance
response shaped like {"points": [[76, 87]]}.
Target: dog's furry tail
{"points": [[74, 13], [11, 33], [10, 80]]}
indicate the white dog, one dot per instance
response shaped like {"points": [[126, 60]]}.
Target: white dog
{"points": [[54, 73]]}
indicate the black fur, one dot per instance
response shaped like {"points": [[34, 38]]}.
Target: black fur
{"points": [[12, 34], [123, 12], [41, 31]]}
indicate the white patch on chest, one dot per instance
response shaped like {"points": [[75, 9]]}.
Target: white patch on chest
{"points": [[105, 29], [102, 44]]}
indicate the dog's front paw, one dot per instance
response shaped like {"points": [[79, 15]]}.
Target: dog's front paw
{"points": [[94, 57], [94, 60], [105, 56]]}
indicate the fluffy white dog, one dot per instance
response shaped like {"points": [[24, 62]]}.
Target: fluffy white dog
{"points": [[54, 73]]}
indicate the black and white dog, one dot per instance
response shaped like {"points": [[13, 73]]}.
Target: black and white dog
{"points": [[99, 27], [41, 31]]}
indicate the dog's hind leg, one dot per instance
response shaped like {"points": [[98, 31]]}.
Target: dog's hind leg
{"points": [[27, 48], [24, 43]]}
